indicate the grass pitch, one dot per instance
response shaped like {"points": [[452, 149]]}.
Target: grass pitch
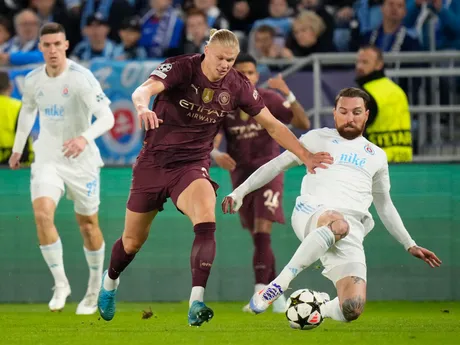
{"points": [[382, 323]]}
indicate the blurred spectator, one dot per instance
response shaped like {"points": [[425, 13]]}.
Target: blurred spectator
{"points": [[197, 32], [447, 16], [265, 45], [9, 122], [5, 33], [317, 6], [389, 123], [243, 13], [113, 11], [369, 14], [22, 49], [97, 44], [56, 11], [161, 29], [9, 8], [130, 33], [216, 19], [306, 36], [392, 35]]}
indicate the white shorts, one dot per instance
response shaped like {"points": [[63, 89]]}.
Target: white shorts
{"points": [[50, 180], [346, 257]]}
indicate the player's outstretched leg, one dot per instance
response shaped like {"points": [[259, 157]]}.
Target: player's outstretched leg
{"points": [[51, 247], [94, 249], [137, 226], [314, 245], [198, 201]]}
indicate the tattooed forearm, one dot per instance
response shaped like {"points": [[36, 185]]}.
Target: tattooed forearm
{"points": [[357, 280], [352, 308]]}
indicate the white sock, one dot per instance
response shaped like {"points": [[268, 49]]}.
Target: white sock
{"points": [[95, 260], [315, 245], [197, 294], [332, 310], [52, 253], [259, 287], [110, 284]]}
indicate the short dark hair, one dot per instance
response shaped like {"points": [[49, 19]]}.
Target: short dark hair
{"points": [[4, 81], [51, 28], [6, 23], [244, 58], [375, 49], [196, 12], [266, 29], [353, 92]]}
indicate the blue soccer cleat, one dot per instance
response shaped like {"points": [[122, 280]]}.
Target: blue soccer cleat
{"points": [[106, 301], [199, 313]]}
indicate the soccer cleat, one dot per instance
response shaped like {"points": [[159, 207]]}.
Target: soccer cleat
{"points": [[59, 298], [88, 304], [106, 301], [279, 306], [261, 300], [247, 309], [199, 313]]}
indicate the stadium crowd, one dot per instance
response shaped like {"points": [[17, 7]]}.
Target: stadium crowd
{"points": [[139, 29]]}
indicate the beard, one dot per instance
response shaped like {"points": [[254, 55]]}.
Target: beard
{"points": [[349, 131]]}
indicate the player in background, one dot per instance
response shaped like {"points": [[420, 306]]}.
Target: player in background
{"points": [[66, 96], [194, 95], [331, 216], [249, 146]]}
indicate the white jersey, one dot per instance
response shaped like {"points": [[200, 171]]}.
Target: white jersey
{"points": [[359, 169], [66, 104]]}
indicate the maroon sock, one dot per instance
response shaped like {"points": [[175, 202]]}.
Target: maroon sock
{"points": [[119, 260], [203, 253], [263, 260]]}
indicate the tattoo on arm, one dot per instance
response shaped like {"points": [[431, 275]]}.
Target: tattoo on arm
{"points": [[352, 308]]}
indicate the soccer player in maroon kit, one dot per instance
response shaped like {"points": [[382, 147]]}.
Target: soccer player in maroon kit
{"points": [[194, 95], [249, 146]]}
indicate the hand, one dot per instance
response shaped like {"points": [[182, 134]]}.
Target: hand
{"points": [[231, 203], [317, 161], [279, 84], [424, 254], [14, 161], [437, 4], [149, 118], [224, 160], [240, 9], [73, 147], [287, 53], [4, 59]]}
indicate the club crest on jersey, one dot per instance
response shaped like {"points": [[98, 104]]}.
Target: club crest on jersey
{"points": [[244, 116], [207, 95], [255, 94], [224, 98], [65, 91], [368, 148]]}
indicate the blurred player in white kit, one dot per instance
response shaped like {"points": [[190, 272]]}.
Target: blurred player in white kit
{"points": [[66, 96], [331, 216]]}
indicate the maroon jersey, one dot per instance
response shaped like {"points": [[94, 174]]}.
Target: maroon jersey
{"points": [[248, 143], [193, 108]]}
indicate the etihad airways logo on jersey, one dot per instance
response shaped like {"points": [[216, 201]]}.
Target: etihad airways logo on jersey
{"points": [[202, 113], [353, 159], [247, 131], [54, 111]]}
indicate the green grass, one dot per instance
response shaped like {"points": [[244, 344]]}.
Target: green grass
{"points": [[382, 323]]}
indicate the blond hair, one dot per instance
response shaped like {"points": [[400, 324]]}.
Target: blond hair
{"points": [[311, 19], [224, 37]]}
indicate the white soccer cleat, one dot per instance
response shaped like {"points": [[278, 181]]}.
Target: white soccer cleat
{"points": [[88, 304], [247, 309], [261, 300], [279, 306], [60, 295]]}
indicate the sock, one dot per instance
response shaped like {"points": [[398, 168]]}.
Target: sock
{"points": [[119, 260], [202, 255], [95, 260], [315, 245], [332, 310], [197, 294], [263, 259], [52, 253]]}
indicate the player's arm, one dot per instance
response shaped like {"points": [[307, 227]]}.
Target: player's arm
{"points": [[222, 159], [392, 220], [258, 179], [26, 120], [141, 99]]}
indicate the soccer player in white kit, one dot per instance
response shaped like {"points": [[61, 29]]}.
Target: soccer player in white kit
{"points": [[66, 96], [331, 216]]}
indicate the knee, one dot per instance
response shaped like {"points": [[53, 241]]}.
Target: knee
{"points": [[88, 226], [336, 223], [131, 245], [262, 226], [352, 308], [43, 217]]}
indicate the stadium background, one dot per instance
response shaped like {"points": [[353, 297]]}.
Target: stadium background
{"points": [[427, 195]]}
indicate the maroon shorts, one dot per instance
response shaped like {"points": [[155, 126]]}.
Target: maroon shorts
{"points": [[265, 203], [152, 185]]}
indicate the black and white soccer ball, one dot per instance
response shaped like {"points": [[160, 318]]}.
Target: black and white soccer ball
{"points": [[303, 309]]}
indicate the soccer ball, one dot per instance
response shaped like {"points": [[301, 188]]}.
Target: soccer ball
{"points": [[302, 309]]}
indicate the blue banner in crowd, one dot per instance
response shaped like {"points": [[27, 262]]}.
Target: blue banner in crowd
{"points": [[118, 80]]}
